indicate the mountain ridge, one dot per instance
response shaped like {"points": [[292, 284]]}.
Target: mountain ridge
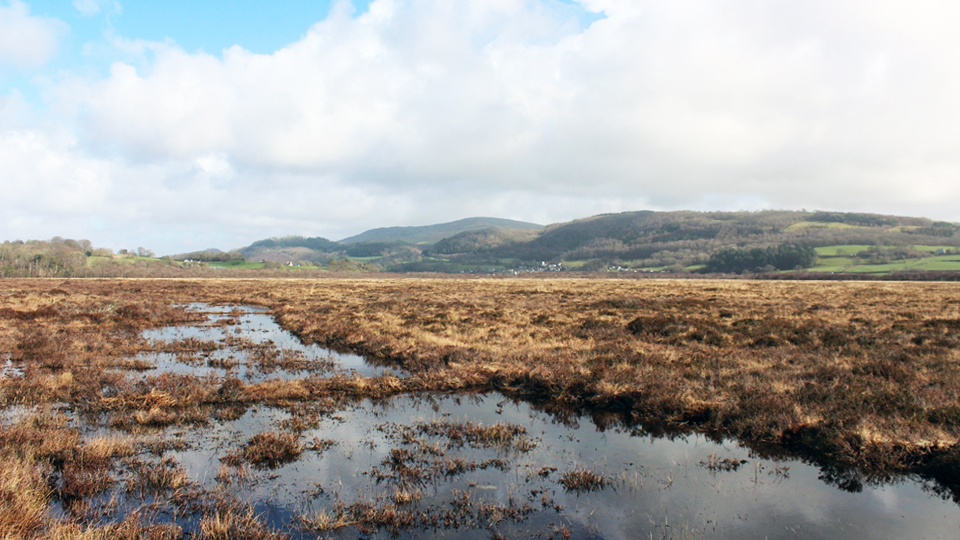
{"points": [[637, 239], [430, 234]]}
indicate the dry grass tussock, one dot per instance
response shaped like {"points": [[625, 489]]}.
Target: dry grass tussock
{"points": [[23, 498], [859, 374], [582, 480], [235, 521], [267, 450], [867, 372], [850, 374]]}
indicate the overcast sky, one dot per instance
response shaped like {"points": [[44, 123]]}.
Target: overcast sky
{"points": [[183, 125]]}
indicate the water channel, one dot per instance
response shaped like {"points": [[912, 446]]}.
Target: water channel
{"points": [[416, 453]]}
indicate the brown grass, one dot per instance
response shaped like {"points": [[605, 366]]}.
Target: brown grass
{"points": [[848, 375], [268, 450], [23, 498], [421, 459], [460, 433], [131, 528], [235, 521], [580, 480], [156, 478], [463, 511], [864, 373]]}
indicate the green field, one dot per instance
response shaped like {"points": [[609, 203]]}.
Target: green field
{"points": [[833, 264], [236, 264], [839, 251], [933, 263], [946, 262], [840, 258]]}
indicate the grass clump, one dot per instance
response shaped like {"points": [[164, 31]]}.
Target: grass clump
{"points": [[24, 494], [268, 450], [157, 478], [459, 433], [582, 480], [232, 520]]}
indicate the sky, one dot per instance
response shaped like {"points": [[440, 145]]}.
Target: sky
{"points": [[184, 125]]}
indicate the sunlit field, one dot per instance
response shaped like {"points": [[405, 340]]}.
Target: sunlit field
{"points": [[111, 389]]}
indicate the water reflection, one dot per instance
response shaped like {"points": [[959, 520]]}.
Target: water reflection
{"points": [[663, 487], [480, 466], [233, 342]]}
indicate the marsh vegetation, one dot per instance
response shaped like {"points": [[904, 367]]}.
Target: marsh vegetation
{"points": [[136, 408]]}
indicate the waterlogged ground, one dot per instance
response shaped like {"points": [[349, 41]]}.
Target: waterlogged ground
{"points": [[245, 342], [472, 466], [685, 487]]}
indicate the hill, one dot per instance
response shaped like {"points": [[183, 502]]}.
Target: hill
{"points": [[290, 248], [690, 241], [681, 241], [481, 240], [637, 235], [769, 242], [430, 234]]}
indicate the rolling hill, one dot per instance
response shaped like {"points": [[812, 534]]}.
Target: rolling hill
{"points": [[290, 248], [690, 241], [643, 240], [430, 234]]}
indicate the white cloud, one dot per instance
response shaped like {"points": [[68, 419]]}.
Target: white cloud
{"points": [[423, 110], [27, 41], [215, 165], [42, 174], [50, 187], [88, 8]]}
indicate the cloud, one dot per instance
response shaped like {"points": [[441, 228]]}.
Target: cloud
{"points": [[89, 8], [43, 174], [423, 110], [26, 41], [50, 187]]}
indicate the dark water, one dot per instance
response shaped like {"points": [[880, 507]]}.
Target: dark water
{"points": [[658, 486]]}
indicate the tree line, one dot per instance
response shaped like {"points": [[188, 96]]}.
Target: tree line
{"points": [[782, 257]]}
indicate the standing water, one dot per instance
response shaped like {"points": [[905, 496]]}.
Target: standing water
{"points": [[236, 340], [476, 466]]}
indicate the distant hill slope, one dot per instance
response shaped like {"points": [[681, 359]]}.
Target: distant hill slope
{"points": [[643, 239], [659, 239], [481, 240], [430, 234], [639, 235], [289, 248]]}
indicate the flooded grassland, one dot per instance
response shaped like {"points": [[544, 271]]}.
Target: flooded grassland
{"points": [[478, 408]]}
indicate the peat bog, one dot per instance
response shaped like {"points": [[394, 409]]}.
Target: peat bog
{"points": [[481, 408]]}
